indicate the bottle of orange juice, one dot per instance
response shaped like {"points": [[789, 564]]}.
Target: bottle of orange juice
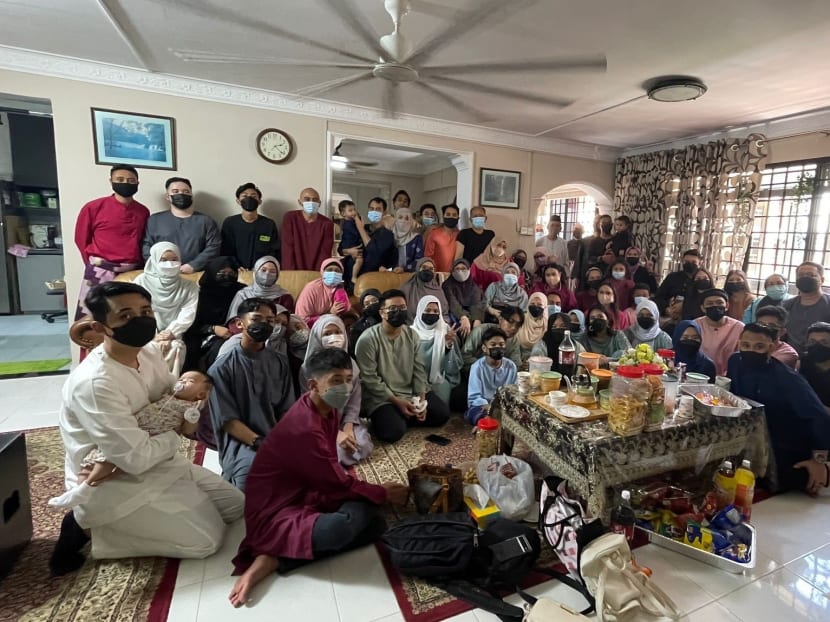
{"points": [[724, 481], [744, 489]]}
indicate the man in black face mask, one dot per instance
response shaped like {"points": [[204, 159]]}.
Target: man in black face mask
{"points": [[395, 389], [252, 389], [680, 283], [250, 235], [196, 235], [815, 361], [108, 233], [719, 333], [810, 306], [150, 486], [798, 423]]}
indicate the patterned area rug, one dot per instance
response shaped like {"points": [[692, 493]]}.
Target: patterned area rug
{"points": [[418, 600], [107, 590]]}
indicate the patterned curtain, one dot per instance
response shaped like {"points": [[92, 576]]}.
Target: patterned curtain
{"points": [[713, 188]]}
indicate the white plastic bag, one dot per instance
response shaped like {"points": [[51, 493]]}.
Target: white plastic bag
{"points": [[514, 495]]}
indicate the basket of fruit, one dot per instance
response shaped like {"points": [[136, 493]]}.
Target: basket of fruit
{"points": [[711, 399]]}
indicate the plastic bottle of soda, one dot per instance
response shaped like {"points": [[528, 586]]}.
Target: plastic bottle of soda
{"points": [[567, 355], [724, 481], [744, 489], [622, 518]]}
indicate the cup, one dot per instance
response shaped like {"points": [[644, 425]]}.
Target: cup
{"points": [[686, 410], [695, 378], [557, 398], [523, 381], [670, 384], [605, 399], [723, 382]]}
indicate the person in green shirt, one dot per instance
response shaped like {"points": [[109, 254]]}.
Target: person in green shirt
{"points": [[601, 338]]}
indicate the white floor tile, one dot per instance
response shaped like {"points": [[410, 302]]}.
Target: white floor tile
{"points": [[29, 422], [713, 612], [365, 595], [553, 589], [211, 461], [395, 617], [185, 604], [305, 594], [791, 525], [814, 568], [190, 571], [778, 597], [219, 564], [467, 616]]}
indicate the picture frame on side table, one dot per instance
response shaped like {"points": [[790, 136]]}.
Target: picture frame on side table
{"points": [[142, 140], [498, 188]]}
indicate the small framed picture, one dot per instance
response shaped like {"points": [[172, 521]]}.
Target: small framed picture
{"points": [[143, 140], [499, 188]]}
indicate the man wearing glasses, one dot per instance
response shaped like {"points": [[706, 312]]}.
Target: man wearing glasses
{"points": [[775, 319], [396, 393]]}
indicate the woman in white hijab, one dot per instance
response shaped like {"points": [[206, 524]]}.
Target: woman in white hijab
{"points": [[174, 301], [353, 441], [409, 242], [439, 347]]}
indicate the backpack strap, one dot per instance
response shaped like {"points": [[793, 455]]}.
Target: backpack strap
{"points": [[571, 583], [482, 599]]}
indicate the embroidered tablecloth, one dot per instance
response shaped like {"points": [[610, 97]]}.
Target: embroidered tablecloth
{"points": [[593, 458]]}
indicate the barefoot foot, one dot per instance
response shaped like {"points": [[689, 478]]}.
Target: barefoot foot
{"points": [[263, 566]]}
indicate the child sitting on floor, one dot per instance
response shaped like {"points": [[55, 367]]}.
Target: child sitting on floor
{"points": [[488, 373], [189, 394]]}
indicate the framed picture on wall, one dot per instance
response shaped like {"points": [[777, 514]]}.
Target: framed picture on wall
{"points": [[499, 188], [143, 140]]}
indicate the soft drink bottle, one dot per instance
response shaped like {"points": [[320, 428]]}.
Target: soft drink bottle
{"points": [[567, 355], [622, 518], [744, 489], [724, 481]]}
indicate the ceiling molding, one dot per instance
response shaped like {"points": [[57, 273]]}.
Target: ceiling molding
{"points": [[27, 61], [782, 127]]}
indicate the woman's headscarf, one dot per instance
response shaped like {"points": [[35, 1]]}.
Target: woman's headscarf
{"points": [[317, 297], [435, 333], [404, 229], [414, 289], [315, 337], [488, 260], [512, 295], [215, 298], [551, 339], [170, 293], [579, 316], [650, 334], [533, 328], [369, 292], [693, 363], [467, 293], [262, 291]]}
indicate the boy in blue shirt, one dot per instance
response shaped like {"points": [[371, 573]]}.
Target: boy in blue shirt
{"points": [[488, 373]]}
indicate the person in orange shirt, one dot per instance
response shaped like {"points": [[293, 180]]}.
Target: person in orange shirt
{"points": [[440, 245]]}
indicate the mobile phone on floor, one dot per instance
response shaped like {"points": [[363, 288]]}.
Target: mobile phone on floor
{"points": [[438, 439]]}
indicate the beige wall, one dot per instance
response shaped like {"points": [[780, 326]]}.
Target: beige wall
{"points": [[414, 185], [440, 187]]}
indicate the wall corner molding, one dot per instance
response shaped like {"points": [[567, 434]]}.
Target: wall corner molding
{"points": [[51, 65]]}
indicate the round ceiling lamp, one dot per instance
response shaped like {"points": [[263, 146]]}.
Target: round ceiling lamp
{"points": [[677, 90]]}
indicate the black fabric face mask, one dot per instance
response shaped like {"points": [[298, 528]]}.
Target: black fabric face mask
{"points": [[451, 223], [519, 261], [182, 201], [226, 280], [535, 311], [259, 331], [806, 284], [496, 354], [734, 288], [606, 229], [645, 322], [575, 327], [249, 204], [753, 360], [124, 190], [689, 267], [594, 283], [396, 319], [597, 326], [817, 352], [372, 310], [703, 284], [429, 319], [690, 346], [426, 275], [715, 313], [632, 261], [136, 333]]}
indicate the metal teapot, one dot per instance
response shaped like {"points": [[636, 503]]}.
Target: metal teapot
{"points": [[581, 388]]}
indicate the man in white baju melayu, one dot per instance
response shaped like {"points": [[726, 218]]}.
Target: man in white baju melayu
{"points": [[150, 499]]}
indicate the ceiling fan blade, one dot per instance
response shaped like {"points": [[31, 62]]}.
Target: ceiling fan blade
{"points": [[199, 56], [476, 114], [489, 11], [488, 89], [356, 21], [316, 90], [436, 10], [215, 11], [391, 99], [588, 63]]}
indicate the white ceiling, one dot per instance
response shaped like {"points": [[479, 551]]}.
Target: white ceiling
{"points": [[761, 59], [393, 158]]}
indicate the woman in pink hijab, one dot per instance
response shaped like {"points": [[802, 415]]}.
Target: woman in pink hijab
{"points": [[324, 295]]}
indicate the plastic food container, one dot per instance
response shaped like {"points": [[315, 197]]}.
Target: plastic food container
{"points": [[487, 437], [730, 405], [630, 393], [656, 403], [551, 381], [538, 365], [603, 377]]}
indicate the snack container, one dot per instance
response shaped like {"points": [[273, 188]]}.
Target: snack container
{"points": [[731, 405], [702, 556]]}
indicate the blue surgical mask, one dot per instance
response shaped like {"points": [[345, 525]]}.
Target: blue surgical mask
{"points": [[428, 221], [554, 309], [510, 280], [374, 217], [777, 292], [478, 222], [618, 274], [332, 278], [638, 300], [311, 207]]}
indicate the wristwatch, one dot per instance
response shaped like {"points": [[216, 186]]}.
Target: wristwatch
{"points": [[256, 443], [820, 456]]}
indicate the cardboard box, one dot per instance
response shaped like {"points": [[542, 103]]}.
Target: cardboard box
{"points": [[483, 516]]}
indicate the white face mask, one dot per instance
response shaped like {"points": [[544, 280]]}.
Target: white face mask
{"points": [[333, 341], [461, 275], [169, 268]]}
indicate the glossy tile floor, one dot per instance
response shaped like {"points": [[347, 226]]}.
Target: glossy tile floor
{"points": [[29, 338], [791, 582]]}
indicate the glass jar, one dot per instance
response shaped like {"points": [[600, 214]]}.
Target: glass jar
{"points": [[630, 395], [668, 357], [487, 437], [657, 400]]}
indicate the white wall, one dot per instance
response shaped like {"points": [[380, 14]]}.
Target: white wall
{"points": [[440, 187], [414, 185]]}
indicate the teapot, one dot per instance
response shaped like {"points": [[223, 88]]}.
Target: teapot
{"points": [[581, 389]]}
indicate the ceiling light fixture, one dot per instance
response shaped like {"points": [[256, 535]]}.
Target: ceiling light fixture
{"points": [[676, 90], [337, 165], [338, 157]]}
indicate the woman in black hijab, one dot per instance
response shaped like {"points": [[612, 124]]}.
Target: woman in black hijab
{"points": [[370, 304], [217, 287]]}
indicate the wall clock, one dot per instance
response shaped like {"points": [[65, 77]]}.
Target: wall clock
{"points": [[274, 146]]}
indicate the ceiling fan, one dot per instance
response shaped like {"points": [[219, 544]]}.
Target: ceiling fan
{"points": [[397, 63], [340, 162]]}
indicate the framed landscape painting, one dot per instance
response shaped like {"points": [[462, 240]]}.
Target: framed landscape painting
{"points": [[143, 140], [499, 188]]}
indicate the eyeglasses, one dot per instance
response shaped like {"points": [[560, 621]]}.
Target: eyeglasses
{"points": [[395, 308]]}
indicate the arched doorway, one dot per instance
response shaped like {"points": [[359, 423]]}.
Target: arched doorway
{"points": [[574, 202]]}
